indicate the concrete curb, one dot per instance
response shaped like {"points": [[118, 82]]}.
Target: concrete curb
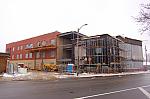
{"points": [[109, 75]]}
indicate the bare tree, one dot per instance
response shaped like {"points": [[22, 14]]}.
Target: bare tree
{"points": [[144, 18]]}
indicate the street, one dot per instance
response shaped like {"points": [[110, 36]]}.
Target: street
{"points": [[116, 87]]}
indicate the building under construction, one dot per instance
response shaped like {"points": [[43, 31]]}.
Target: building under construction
{"points": [[100, 53], [66, 48], [133, 54]]}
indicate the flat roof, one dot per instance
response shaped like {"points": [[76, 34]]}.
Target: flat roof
{"points": [[71, 34], [51, 33], [130, 40]]}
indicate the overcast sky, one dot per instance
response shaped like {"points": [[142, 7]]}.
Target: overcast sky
{"points": [[21, 19]]}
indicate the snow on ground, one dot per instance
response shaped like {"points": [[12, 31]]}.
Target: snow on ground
{"points": [[38, 75], [28, 76], [64, 76], [111, 74], [100, 75], [15, 75]]}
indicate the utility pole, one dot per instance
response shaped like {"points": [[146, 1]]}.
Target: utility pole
{"points": [[145, 60], [146, 55], [78, 48]]}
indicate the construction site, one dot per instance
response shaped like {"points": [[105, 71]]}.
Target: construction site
{"points": [[66, 49], [99, 54], [73, 51]]}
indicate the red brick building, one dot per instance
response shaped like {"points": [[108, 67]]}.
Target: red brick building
{"points": [[34, 52]]}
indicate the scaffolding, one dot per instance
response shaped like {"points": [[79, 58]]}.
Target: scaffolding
{"points": [[102, 54], [98, 54], [66, 49]]}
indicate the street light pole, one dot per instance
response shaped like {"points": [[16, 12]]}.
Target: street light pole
{"points": [[146, 55], [78, 47], [145, 60]]}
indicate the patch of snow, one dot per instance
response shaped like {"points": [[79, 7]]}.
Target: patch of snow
{"points": [[8, 75], [52, 75], [15, 75], [105, 75], [84, 73], [63, 76]]}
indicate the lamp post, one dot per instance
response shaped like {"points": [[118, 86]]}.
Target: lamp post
{"points": [[78, 47], [145, 55]]}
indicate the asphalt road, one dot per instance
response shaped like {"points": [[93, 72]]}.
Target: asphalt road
{"points": [[124, 87]]}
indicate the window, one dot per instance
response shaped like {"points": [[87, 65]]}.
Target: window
{"points": [[53, 42], [18, 48], [20, 56], [30, 55], [98, 51], [17, 56], [26, 46], [12, 56], [26, 56], [43, 54], [43, 43], [21, 47], [52, 53], [38, 55], [13, 49], [39, 44], [29, 46]]}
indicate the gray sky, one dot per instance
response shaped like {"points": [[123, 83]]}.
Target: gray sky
{"points": [[21, 19]]}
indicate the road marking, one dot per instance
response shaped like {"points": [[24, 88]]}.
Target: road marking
{"points": [[113, 92], [145, 92], [105, 93], [145, 86]]}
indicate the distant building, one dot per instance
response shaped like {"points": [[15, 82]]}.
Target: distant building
{"points": [[3, 61], [33, 52]]}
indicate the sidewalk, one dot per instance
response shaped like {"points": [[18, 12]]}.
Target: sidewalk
{"points": [[38, 75], [112, 74]]}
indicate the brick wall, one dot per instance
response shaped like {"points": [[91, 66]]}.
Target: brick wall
{"points": [[3, 64]]}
